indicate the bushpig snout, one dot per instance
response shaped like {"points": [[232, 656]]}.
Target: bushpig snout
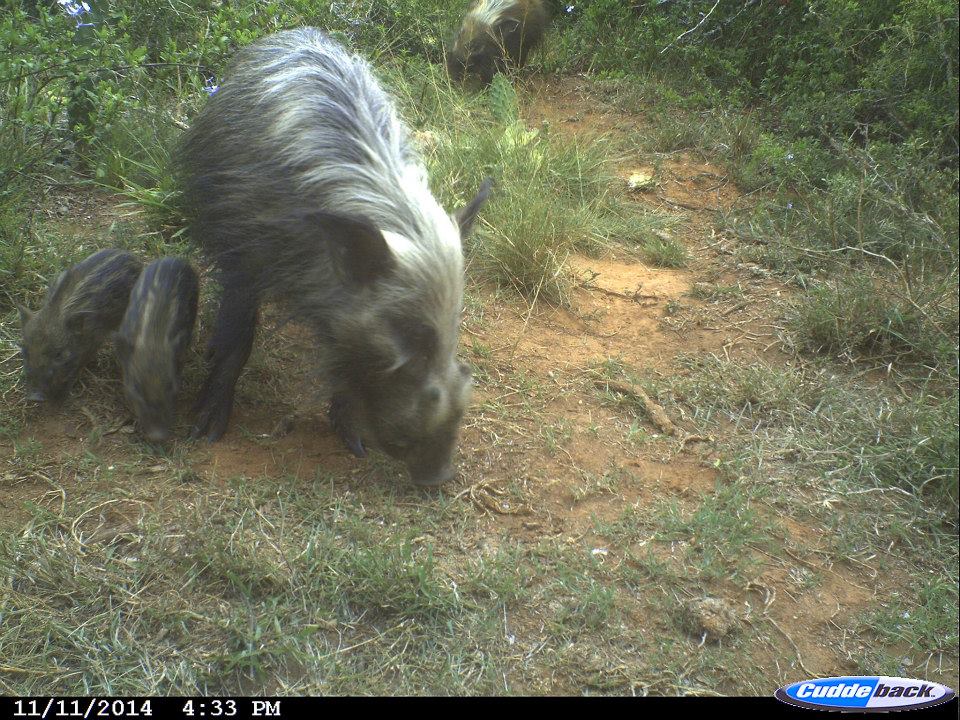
{"points": [[425, 475], [430, 460], [156, 433]]}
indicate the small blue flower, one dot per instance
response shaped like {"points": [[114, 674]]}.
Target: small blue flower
{"points": [[789, 206], [210, 86], [789, 156], [74, 9], [569, 8]]}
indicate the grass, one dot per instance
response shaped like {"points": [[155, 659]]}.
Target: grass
{"points": [[873, 243], [862, 314], [716, 292], [664, 253], [553, 194], [923, 620], [261, 592], [293, 587], [716, 538], [797, 442], [842, 432], [721, 533]]}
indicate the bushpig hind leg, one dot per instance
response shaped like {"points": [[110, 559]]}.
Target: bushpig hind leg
{"points": [[227, 353]]}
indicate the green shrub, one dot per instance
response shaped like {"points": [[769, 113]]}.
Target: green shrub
{"points": [[863, 315]]}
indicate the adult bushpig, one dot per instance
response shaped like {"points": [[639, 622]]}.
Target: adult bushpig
{"points": [[303, 188], [495, 33]]}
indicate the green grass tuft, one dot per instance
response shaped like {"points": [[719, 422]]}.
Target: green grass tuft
{"points": [[664, 253]]}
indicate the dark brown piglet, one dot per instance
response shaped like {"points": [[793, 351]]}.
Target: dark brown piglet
{"points": [[82, 307], [153, 340]]}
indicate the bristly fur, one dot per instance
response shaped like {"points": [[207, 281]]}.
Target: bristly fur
{"points": [[490, 12], [83, 288], [82, 307], [302, 118], [495, 33], [153, 338], [303, 187]]}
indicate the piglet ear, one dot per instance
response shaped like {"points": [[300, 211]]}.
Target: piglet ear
{"points": [[76, 322], [25, 314], [467, 215]]}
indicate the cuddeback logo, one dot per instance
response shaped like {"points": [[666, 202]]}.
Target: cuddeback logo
{"points": [[865, 693]]}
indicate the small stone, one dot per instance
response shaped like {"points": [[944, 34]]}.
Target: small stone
{"points": [[641, 181], [710, 618]]}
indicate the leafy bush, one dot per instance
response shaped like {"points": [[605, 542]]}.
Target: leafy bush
{"points": [[879, 70]]}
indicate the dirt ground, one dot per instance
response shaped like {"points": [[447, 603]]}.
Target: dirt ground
{"points": [[644, 316]]}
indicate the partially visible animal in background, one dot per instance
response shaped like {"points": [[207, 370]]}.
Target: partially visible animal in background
{"points": [[495, 33], [153, 339], [82, 307]]}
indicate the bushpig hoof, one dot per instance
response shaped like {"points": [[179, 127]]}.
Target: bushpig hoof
{"points": [[212, 420], [355, 445], [342, 425]]}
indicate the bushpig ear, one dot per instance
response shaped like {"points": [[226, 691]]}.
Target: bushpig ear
{"points": [[55, 293], [363, 250], [466, 216]]}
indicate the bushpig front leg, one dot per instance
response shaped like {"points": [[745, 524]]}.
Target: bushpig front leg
{"points": [[227, 353], [341, 420]]}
